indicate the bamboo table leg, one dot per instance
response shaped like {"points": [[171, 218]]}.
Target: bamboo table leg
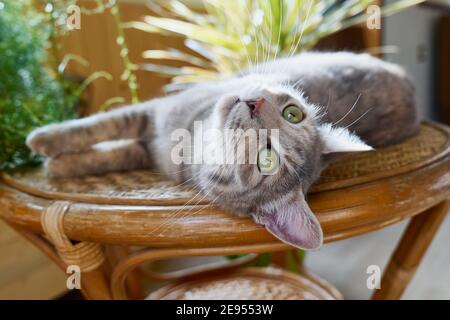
{"points": [[94, 284], [409, 252], [115, 253]]}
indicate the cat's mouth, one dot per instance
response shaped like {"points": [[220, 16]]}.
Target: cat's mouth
{"points": [[253, 106], [237, 113], [246, 109]]}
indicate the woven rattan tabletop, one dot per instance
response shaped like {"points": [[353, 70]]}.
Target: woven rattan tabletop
{"points": [[150, 188], [249, 283], [357, 194]]}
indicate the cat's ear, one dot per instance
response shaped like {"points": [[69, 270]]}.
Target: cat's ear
{"points": [[293, 223], [339, 140]]}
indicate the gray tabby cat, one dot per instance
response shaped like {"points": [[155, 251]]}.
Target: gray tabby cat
{"points": [[314, 100]]}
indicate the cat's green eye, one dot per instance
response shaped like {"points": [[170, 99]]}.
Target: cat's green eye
{"points": [[293, 114], [268, 161]]}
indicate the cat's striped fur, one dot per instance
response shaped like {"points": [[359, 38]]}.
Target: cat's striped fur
{"points": [[374, 99]]}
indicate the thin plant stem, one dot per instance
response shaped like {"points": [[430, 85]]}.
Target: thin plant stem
{"points": [[128, 74]]}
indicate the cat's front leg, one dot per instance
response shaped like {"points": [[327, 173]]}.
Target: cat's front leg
{"points": [[80, 135], [101, 159]]}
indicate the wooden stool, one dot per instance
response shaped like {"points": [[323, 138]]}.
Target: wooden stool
{"points": [[249, 283], [92, 221]]}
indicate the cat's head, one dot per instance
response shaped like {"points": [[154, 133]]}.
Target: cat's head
{"points": [[286, 161]]}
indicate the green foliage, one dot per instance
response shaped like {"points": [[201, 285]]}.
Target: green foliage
{"points": [[263, 260], [234, 34], [30, 96]]}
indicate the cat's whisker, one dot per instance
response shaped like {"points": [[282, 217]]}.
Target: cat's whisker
{"points": [[292, 45], [184, 183], [329, 101], [296, 83], [290, 166], [213, 202], [320, 116], [285, 67], [209, 205], [308, 13], [203, 189], [348, 112], [359, 118], [189, 203], [169, 172], [177, 212]]}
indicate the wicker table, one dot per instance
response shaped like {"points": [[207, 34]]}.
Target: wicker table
{"points": [[103, 216]]}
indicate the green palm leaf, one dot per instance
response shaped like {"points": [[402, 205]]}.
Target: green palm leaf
{"points": [[231, 35]]}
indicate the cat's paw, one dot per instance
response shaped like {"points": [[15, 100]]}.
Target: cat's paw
{"points": [[43, 142], [59, 168]]}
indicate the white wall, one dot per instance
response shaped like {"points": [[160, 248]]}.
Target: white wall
{"points": [[413, 32]]}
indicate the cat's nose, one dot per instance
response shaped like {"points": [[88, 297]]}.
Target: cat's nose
{"points": [[255, 105]]}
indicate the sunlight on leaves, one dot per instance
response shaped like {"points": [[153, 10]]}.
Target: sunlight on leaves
{"points": [[230, 36]]}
